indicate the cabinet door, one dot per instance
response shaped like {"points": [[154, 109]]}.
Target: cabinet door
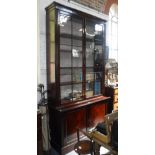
{"points": [[71, 57], [95, 114], [94, 57], [72, 121]]}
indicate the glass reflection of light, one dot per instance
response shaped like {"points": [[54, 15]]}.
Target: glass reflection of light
{"points": [[75, 53], [63, 19], [98, 27]]}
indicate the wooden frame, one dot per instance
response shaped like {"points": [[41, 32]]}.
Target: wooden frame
{"points": [[65, 118]]}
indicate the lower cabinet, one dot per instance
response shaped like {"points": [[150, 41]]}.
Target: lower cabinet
{"points": [[73, 120], [95, 114], [65, 121]]}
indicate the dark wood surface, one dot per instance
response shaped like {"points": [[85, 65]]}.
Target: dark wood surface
{"points": [[39, 135], [64, 123], [84, 147], [72, 121], [96, 114], [65, 118]]}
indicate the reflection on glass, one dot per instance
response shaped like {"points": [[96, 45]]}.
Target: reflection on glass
{"points": [[98, 60], [66, 93], [65, 48], [90, 29], [97, 87], [77, 57], [65, 41], [71, 57], [98, 27], [64, 21], [89, 74], [77, 92], [98, 75], [98, 53], [111, 76], [77, 27], [89, 89], [77, 42], [77, 75], [65, 59], [89, 57], [65, 75]]}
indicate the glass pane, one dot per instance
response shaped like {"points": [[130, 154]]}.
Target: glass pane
{"points": [[64, 21], [65, 40], [97, 87], [90, 33], [89, 57], [77, 26], [77, 42], [98, 60], [89, 89], [77, 31], [98, 44], [98, 52], [65, 48], [77, 92], [77, 74], [111, 76], [66, 93], [89, 74], [65, 75], [90, 30], [65, 56], [98, 75], [77, 56]]}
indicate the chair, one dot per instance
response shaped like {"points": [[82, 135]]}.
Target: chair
{"points": [[83, 146], [102, 139]]}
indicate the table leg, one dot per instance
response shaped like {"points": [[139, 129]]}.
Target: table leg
{"points": [[97, 149]]}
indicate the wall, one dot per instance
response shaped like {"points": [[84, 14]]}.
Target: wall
{"points": [[94, 4], [95, 7], [99, 5]]}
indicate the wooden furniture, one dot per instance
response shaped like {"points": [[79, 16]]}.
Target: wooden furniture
{"points": [[83, 146], [39, 135], [75, 74], [113, 93], [100, 139]]}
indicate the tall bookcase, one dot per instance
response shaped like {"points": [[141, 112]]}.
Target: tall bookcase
{"points": [[75, 73]]}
